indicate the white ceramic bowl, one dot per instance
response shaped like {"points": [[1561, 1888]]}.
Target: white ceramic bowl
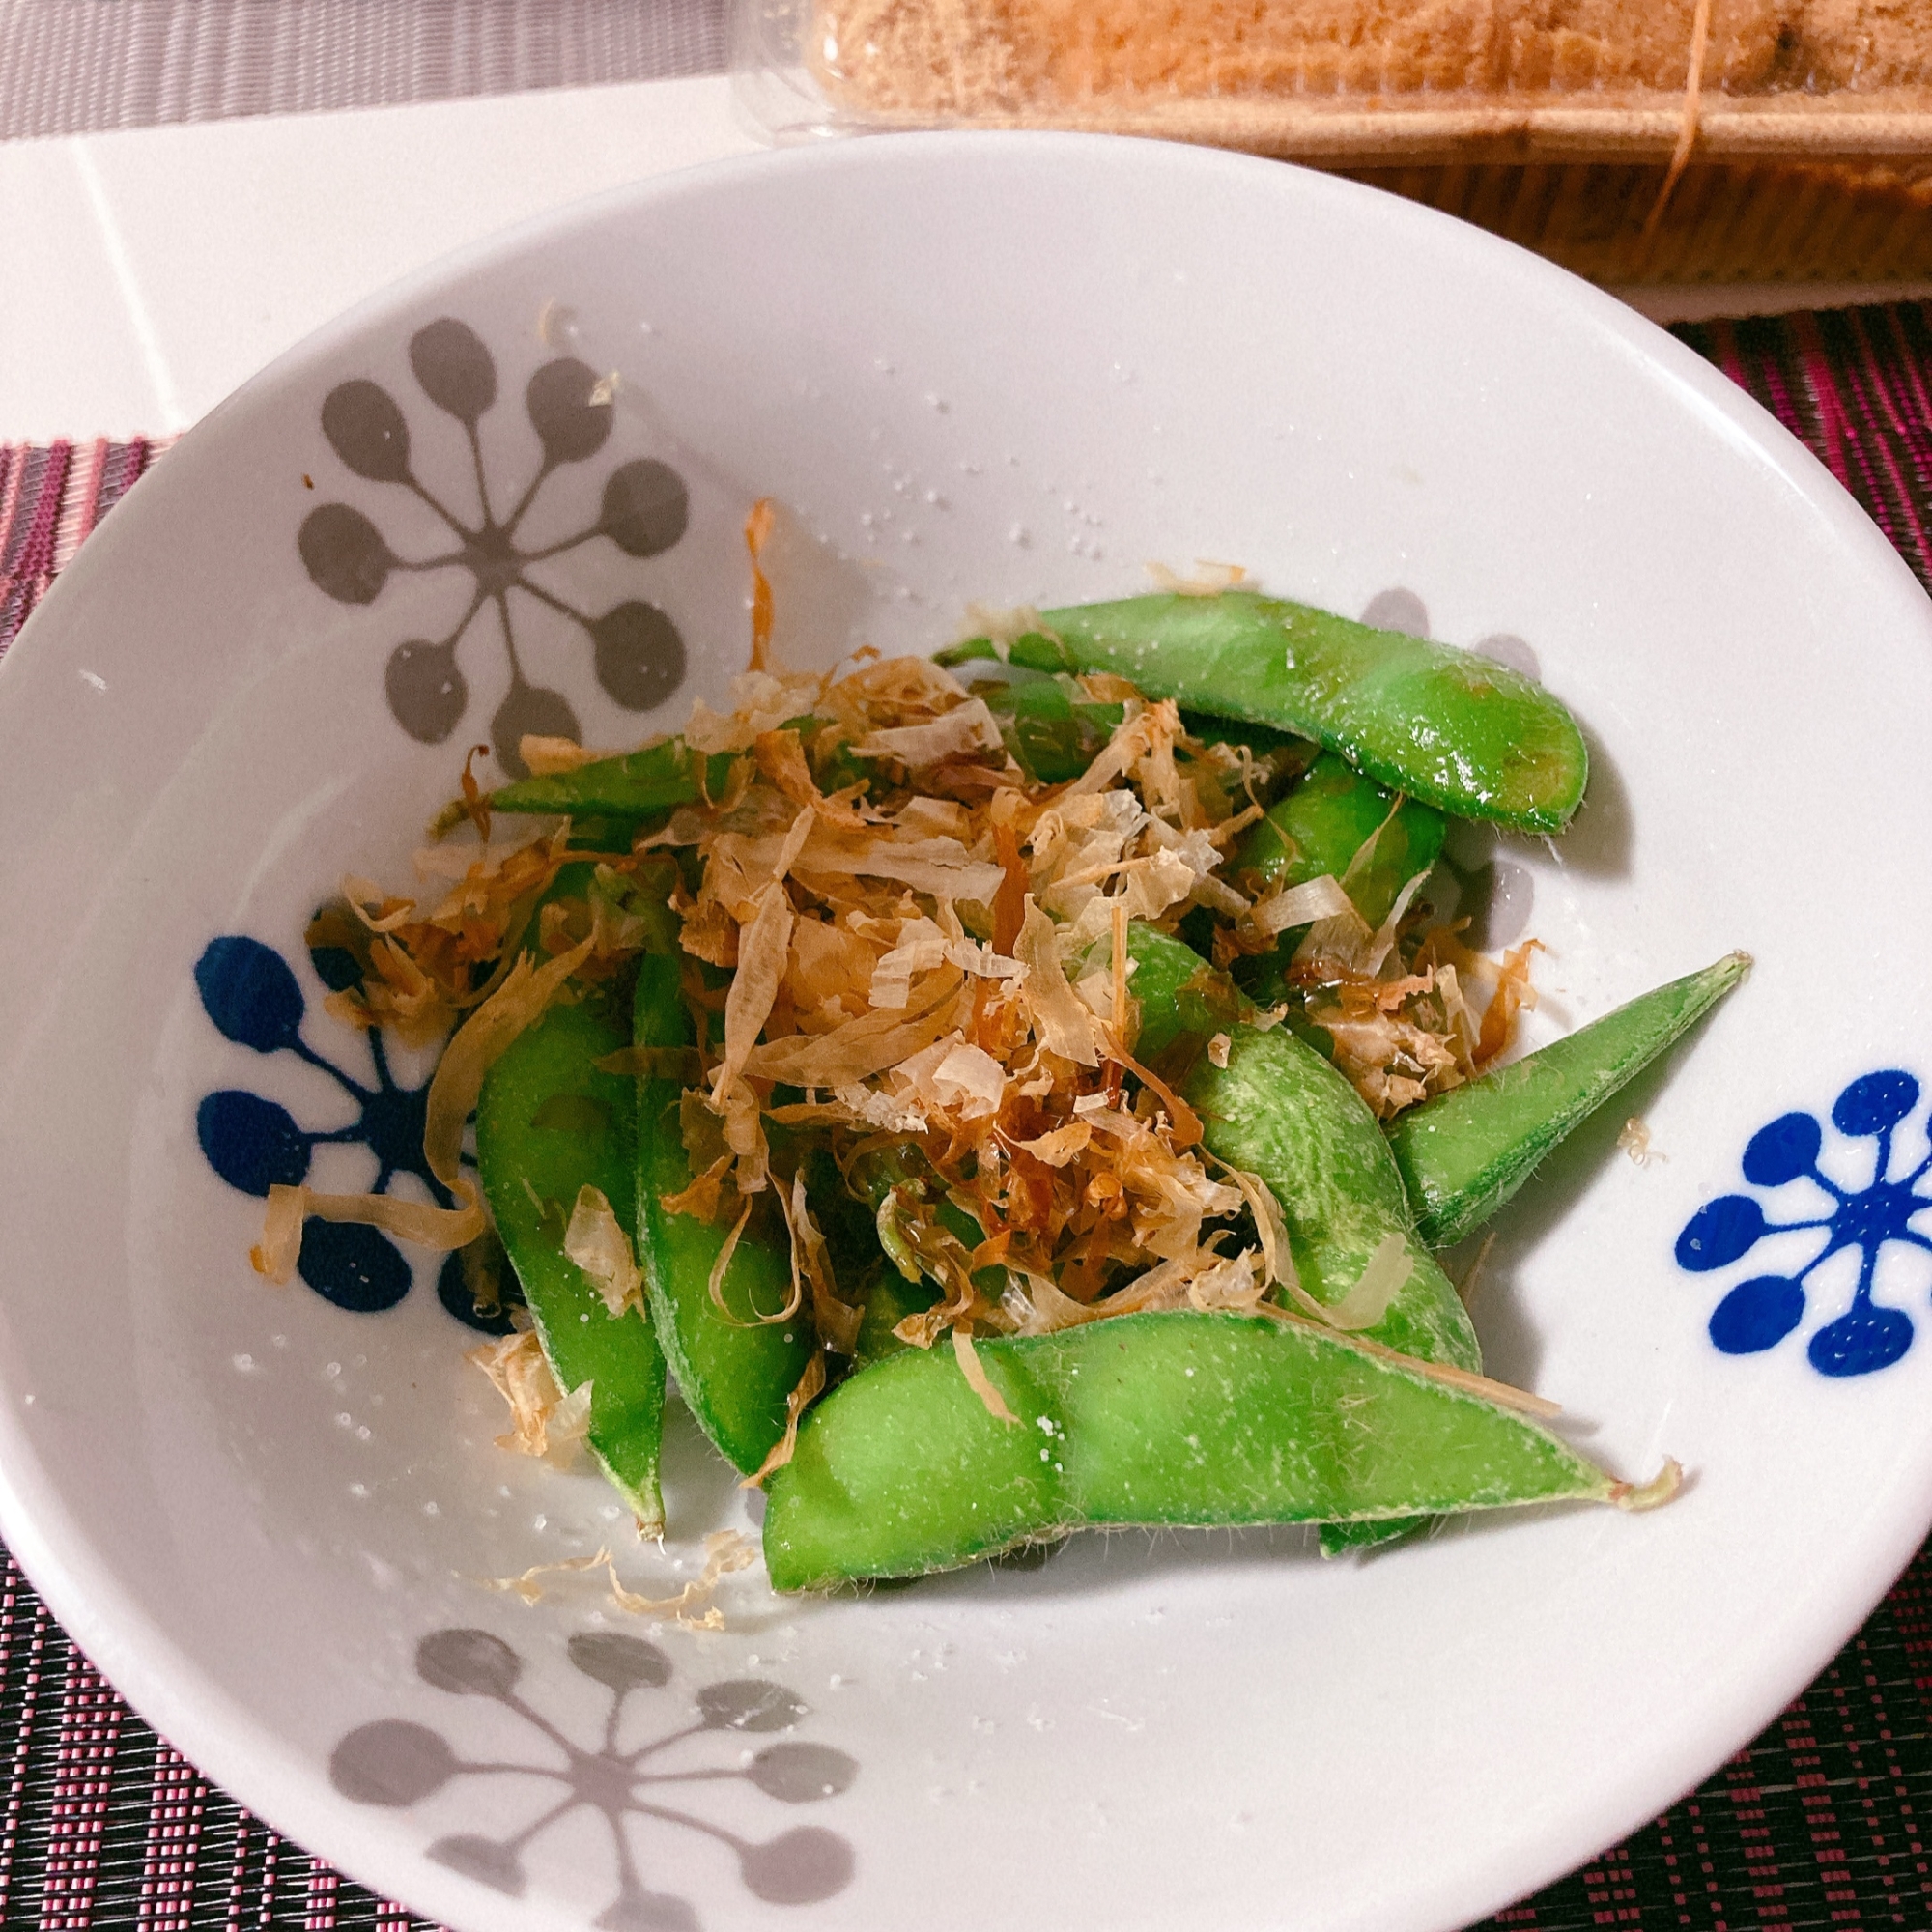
{"points": [[971, 368]]}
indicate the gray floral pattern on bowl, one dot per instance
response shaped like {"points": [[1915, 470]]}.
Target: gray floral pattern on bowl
{"points": [[638, 651], [395, 1763]]}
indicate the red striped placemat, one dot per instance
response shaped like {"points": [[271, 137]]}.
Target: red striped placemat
{"points": [[1824, 1822], [1856, 383], [50, 498]]}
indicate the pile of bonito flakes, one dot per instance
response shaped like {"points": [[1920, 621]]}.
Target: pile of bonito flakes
{"points": [[894, 937]]}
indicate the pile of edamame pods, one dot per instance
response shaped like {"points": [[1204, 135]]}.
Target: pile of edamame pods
{"points": [[1013, 1093]]}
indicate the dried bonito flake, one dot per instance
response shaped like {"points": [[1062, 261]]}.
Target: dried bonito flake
{"points": [[1311, 901], [966, 729], [1401, 1018], [808, 1387], [546, 757], [596, 1241], [725, 1551], [977, 1378], [928, 961], [1379, 1284], [544, 1420], [1634, 1139], [1209, 579], [901, 943], [276, 1254], [1060, 1019]]}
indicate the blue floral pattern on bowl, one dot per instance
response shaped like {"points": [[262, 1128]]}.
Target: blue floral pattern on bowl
{"points": [[253, 997], [1758, 1313]]}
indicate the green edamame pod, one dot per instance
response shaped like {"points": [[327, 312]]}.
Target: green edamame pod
{"points": [[1162, 1418], [1279, 1110], [734, 1366], [1464, 1153], [1451, 728], [1324, 822], [890, 1179], [1178, 992], [1053, 732], [1181, 994], [888, 1300], [1285, 755], [548, 1125], [633, 786]]}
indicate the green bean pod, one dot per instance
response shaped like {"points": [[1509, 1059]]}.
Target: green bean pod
{"points": [[910, 1282], [1053, 732], [1447, 726], [1323, 823], [633, 786], [549, 1124], [734, 1366], [1155, 1419], [1280, 1111], [1322, 826], [888, 1300], [1284, 753], [1464, 1153], [1178, 992], [1283, 1112]]}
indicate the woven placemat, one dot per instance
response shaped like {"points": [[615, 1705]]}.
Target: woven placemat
{"points": [[70, 66], [1823, 1823]]}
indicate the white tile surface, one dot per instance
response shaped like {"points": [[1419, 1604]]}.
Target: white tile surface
{"points": [[152, 270], [66, 335]]}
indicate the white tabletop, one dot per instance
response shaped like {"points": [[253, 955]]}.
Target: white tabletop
{"points": [[152, 270]]}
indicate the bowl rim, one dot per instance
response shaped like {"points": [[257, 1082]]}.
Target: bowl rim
{"points": [[107, 1621]]}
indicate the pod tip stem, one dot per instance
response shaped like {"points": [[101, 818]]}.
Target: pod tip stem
{"points": [[1661, 1487]]}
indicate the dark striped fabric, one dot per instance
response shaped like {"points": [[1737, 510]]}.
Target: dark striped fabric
{"points": [[103, 1824], [70, 66], [50, 498], [1823, 1823], [1855, 385]]}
